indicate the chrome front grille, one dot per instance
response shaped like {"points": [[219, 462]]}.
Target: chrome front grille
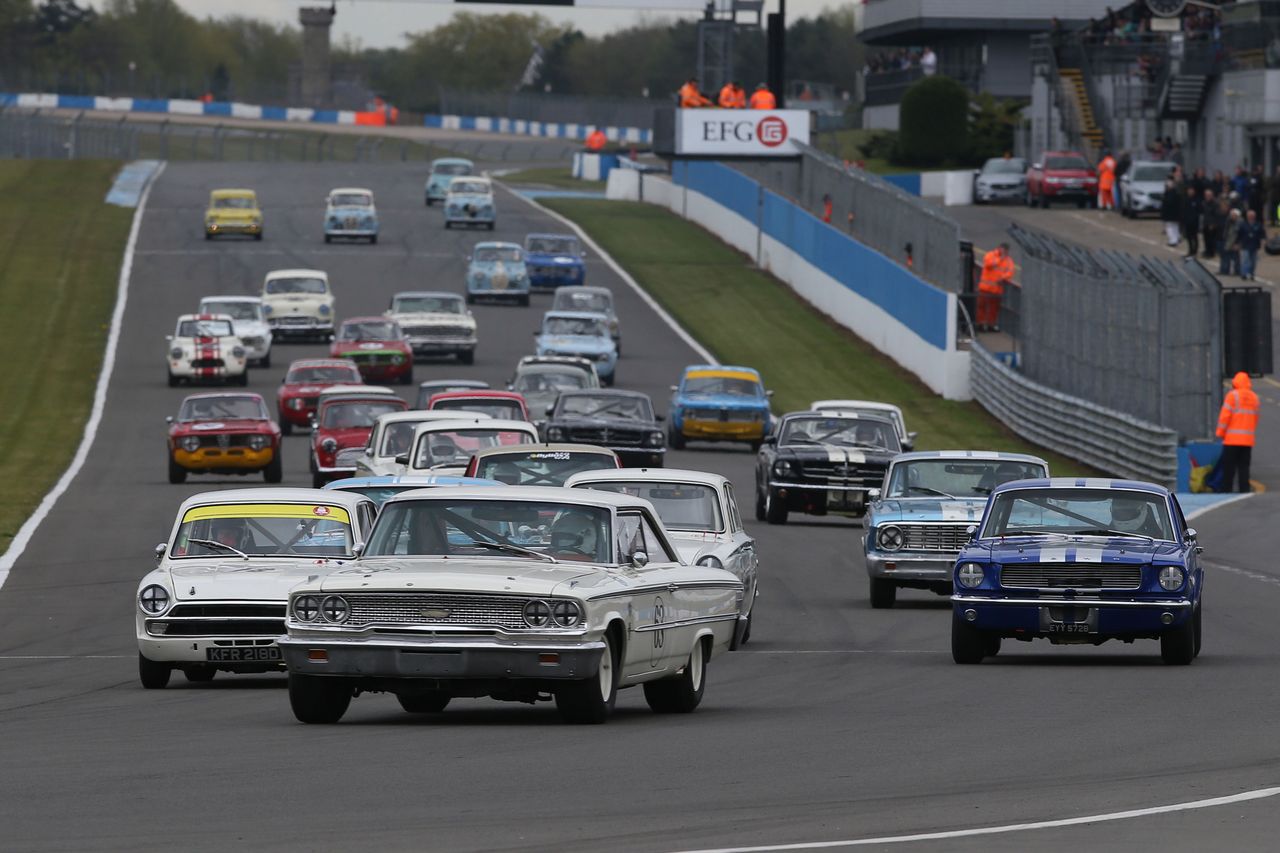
{"points": [[416, 608], [222, 620], [226, 440], [1071, 576], [607, 436], [437, 331], [943, 538], [865, 474]]}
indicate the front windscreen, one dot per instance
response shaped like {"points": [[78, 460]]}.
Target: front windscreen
{"points": [[505, 410], [328, 373], [850, 433], [1066, 164], [353, 414], [264, 530], [1151, 174], [552, 245], [378, 494], [351, 200], [204, 329], [605, 406], [732, 385], [451, 169], [1001, 166], [681, 506], [490, 254], [1098, 512], [541, 467], [428, 304], [470, 187], [506, 529], [896, 417], [569, 299], [956, 478], [235, 203], [549, 381], [236, 310], [222, 409], [441, 448], [587, 326], [296, 285], [370, 331]]}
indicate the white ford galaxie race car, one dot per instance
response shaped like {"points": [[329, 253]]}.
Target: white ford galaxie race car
{"points": [[216, 600], [204, 348], [521, 594]]}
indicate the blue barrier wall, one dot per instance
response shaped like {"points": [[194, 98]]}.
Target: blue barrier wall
{"points": [[910, 183]]}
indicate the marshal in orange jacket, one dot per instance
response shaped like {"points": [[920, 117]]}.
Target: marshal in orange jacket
{"points": [[1238, 420]]}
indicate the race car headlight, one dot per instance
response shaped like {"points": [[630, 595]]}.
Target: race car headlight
{"points": [[306, 608], [566, 614], [257, 442], [237, 352], [655, 439], [326, 308], [782, 467], [711, 562], [295, 403], [970, 575], [537, 614], [1172, 578], [397, 359], [190, 443], [153, 599], [889, 538], [334, 608], [266, 309], [604, 356], [329, 445], [175, 353], [555, 434]]}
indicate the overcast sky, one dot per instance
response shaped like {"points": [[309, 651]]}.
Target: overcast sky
{"points": [[383, 23]]}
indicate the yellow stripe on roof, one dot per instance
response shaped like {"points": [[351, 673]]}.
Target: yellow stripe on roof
{"points": [[324, 511], [723, 374]]}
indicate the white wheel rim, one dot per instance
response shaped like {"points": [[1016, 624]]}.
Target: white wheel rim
{"points": [[695, 667], [606, 671]]}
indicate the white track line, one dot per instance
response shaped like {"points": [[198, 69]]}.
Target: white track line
{"points": [[1196, 513], [28, 529], [671, 322], [1259, 794]]}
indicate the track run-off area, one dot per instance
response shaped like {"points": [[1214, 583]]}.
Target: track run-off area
{"points": [[838, 723]]}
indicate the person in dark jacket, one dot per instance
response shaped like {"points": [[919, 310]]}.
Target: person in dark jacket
{"points": [[1219, 184], [1252, 236], [1171, 212], [1229, 248], [1273, 198], [1211, 223], [1192, 208], [1258, 192], [1240, 186]]}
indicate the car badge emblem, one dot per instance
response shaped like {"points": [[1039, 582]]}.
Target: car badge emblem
{"points": [[224, 440], [434, 613], [320, 510]]}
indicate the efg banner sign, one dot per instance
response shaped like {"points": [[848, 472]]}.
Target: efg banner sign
{"points": [[740, 133]]}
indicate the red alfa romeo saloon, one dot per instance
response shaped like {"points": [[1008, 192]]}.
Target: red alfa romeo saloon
{"points": [[378, 347], [299, 391], [224, 434]]}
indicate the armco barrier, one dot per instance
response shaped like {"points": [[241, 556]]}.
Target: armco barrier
{"points": [[907, 319], [223, 109], [1104, 438], [524, 127]]}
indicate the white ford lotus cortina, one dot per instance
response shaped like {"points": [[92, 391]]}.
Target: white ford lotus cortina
{"points": [[516, 593], [204, 348], [216, 599]]}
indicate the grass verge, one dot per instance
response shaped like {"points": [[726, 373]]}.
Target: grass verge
{"points": [[60, 250], [745, 316], [557, 177]]}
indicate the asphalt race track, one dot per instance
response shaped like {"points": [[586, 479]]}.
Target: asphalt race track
{"points": [[836, 722]]}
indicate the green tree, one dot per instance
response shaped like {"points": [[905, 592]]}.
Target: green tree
{"points": [[934, 123], [992, 123]]}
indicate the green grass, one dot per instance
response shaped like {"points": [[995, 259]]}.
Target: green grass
{"points": [[747, 317], [60, 250], [844, 145], [558, 177]]}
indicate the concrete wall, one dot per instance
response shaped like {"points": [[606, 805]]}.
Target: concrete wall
{"points": [[883, 117], [881, 301]]}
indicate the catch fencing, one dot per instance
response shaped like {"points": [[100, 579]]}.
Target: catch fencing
{"points": [[553, 109], [898, 225], [1139, 335], [1106, 439]]}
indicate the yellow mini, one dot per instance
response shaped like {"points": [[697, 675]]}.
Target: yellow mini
{"points": [[233, 212]]}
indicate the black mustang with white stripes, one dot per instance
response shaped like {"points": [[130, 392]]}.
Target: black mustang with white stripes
{"points": [[819, 463]]}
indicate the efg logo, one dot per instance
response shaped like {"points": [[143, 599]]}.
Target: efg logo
{"points": [[771, 131]]}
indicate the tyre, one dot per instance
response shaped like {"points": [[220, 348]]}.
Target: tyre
{"points": [[656, 460], [407, 379], [153, 675], [428, 202], [1044, 200], [467, 357], [173, 381], [424, 703], [883, 593], [682, 694], [199, 673], [993, 645], [1178, 645], [265, 361], [447, 225], [675, 438], [243, 379], [316, 699], [775, 511], [317, 480], [328, 238], [968, 645], [491, 225], [590, 701], [760, 505], [258, 236], [208, 236], [1081, 204], [274, 472], [177, 474], [1030, 199], [286, 428], [607, 381], [471, 300], [617, 345], [756, 445], [373, 239], [1195, 618]]}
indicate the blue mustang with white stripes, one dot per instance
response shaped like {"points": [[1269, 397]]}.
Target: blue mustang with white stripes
{"points": [[1079, 562], [922, 518]]}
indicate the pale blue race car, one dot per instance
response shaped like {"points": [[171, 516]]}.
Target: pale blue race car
{"points": [[470, 202], [443, 171], [498, 271], [581, 334], [350, 213]]}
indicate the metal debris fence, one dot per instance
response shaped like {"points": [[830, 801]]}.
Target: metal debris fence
{"points": [[1135, 334]]}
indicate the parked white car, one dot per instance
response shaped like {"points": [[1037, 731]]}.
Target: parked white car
{"points": [[387, 452], [436, 323], [248, 320], [445, 447], [216, 599], [299, 303], [869, 407], [701, 515], [515, 593], [204, 348]]}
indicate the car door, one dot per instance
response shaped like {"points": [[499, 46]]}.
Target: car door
{"points": [[743, 560], [675, 603], [653, 603]]}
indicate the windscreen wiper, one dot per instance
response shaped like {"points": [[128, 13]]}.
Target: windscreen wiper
{"points": [[929, 491], [1105, 531], [213, 543], [513, 549]]}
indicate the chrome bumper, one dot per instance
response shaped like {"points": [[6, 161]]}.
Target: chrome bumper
{"points": [[454, 658], [929, 567], [1176, 604], [812, 487]]}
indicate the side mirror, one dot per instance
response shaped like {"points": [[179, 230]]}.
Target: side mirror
{"points": [[1192, 535], [160, 551], [551, 407], [972, 531], [659, 417], [873, 494], [768, 393], [536, 333], [675, 387], [168, 419], [357, 550], [769, 440], [1035, 167], [639, 559], [168, 337], [402, 459]]}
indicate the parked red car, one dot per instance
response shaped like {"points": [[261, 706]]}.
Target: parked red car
{"points": [[343, 423], [299, 391], [504, 405], [378, 347], [1062, 176], [224, 434]]}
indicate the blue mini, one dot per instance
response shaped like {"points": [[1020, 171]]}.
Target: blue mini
{"points": [[444, 170], [1078, 561], [554, 260], [497, 271], [350, 213]]}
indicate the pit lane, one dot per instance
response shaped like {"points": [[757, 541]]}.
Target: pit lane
{"points": [[837, 722]]}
